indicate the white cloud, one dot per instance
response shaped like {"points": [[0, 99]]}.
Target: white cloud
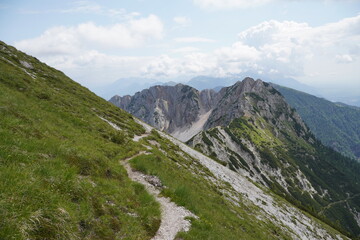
{"points": [[238, 52], [291, 47], [182, 21], [78, 50], [185, 50], [193, 40], [281, 49], [93, 68], [87, 7], [344, 58], [230, 4], [71, 40], [192, 64]]}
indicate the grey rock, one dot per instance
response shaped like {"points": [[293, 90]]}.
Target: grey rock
{"points": [[168, 108], [26, 64], [176, 108]]}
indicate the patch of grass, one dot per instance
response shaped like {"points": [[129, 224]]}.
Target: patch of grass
{"points": [[206, 140]]}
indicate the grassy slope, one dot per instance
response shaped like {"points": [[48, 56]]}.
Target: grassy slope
{"points": [[337, 126], [60, 177]]}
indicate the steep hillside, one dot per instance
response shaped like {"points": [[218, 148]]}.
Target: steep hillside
{"points": [[336, 125], [65, 172], [252, 130], [255, 132], [59, 176]]}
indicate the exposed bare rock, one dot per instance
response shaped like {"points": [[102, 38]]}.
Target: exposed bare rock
{"points": [[170, 108], [26, 64]]}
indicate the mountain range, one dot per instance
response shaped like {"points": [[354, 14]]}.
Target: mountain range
{"points": [[335, 124], [129, 86], [250, 128], [74, 166]]}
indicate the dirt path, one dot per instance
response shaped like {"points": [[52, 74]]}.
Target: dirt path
{"points": [[172, 216], [137, 138]]}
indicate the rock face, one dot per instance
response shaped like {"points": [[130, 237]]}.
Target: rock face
{"points": [[250, 128], [168, 108]]}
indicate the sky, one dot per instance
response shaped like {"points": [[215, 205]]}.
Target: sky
{"points": [[98, 42]]}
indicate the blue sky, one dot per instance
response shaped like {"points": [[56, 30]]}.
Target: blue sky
{"points": [[98, 42]]}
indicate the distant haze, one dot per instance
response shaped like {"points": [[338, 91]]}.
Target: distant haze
{"points": [[129, 86]]}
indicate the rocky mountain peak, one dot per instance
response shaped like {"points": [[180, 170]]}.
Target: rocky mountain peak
{"points": [[252, 98], [184, 111], [247, 84]]}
